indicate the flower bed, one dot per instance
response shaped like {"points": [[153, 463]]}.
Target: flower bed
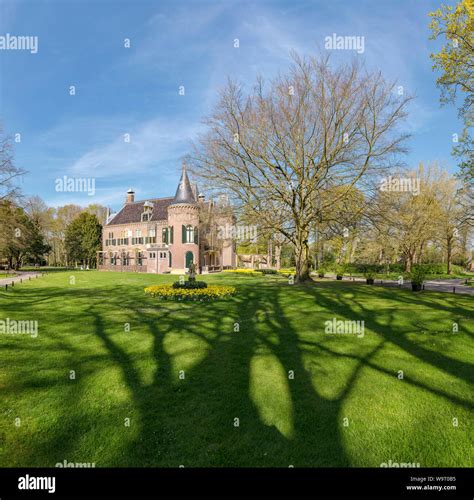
{"points": [[287, 272], [246, 272], [168, 292], [190, 285]]}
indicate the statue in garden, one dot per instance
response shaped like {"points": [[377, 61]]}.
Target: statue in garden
{"points": [[192, 272]]}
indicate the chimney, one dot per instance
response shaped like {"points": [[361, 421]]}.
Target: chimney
{"points": [[201, 197], [130, 196]]}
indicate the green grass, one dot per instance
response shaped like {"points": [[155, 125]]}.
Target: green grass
{"points": [[396, 276], [283, 420]]}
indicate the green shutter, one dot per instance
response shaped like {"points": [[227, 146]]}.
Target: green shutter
{"points": [[183, 233], [171, 234], [196, 235], [165, 235], [170, 258]]}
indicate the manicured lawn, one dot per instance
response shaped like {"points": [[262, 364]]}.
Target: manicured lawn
{"points": [[396, 276], [282, 420]]}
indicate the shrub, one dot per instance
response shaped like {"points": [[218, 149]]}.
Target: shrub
{"points": [[267, 271], [340, 270], [376, 268], [287, 272], [212, 292], [369, 273], [248, 272], [418, 274], [190, 285]]}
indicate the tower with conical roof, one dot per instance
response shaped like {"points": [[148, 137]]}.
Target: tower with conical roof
{"points": [[184, 193], [183, 227]]}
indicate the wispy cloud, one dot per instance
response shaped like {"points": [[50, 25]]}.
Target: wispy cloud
{"points": [[149, 144]]}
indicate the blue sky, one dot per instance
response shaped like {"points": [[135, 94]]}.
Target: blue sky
{"points": [[182, 43]]}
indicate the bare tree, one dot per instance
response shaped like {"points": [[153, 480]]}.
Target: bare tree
{"points": [[8, 171], [279, 148]]}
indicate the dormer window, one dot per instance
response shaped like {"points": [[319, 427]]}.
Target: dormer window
{"points": [[147, 211]]}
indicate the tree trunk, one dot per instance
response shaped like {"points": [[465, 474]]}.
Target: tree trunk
{"points": [[408, 262], [302, 261], [316, 253], [277, 256], [449, 252]]}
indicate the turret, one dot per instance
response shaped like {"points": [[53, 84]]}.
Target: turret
{"points": [[183, 217]]}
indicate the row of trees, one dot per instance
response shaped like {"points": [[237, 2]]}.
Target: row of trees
{"points": [[430, 225], [36, 234], [433, 225], [21, 237], [60, 228], [33, 233]]}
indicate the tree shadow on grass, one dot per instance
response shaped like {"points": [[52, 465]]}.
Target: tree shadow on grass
{"points": [[192, 421], [354, 309]]}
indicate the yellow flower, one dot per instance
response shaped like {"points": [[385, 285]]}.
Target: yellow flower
{"points": [[211, 292], [249, 272]]}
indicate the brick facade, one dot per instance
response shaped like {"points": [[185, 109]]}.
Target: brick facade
{"points": [[162, 235]]}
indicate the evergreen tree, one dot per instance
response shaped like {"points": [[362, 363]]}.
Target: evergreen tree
{"points": [[83, 239]]}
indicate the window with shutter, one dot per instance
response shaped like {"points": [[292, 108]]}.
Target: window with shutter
{"points": [[165, 235], [189, 234]]}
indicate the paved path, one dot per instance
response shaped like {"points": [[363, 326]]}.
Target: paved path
{"points": [[432, 285], [19, 276]]}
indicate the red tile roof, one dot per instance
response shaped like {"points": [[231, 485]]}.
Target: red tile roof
{"points": [[132, 212]]}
